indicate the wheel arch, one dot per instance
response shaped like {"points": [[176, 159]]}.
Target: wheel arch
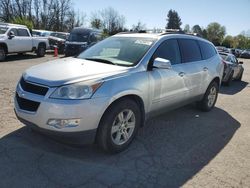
{"points": [[136, 98]]}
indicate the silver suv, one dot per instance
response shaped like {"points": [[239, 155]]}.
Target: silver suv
{"points": [[110, 90]]}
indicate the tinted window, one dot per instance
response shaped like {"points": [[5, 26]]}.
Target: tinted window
{"points": [[23, 32], [207, 50], [78, 37], [169, 50], [190, 50], [234, 60]]}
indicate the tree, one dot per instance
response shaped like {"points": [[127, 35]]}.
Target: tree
{"points": [[228, 41], [187, 28], [23, 21], [173, 19], [95, 21], [138, 27], [216, 33], [197, 29], [112, 21]]}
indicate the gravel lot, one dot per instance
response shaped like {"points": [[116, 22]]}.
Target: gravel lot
{"points": [[184, 147]]}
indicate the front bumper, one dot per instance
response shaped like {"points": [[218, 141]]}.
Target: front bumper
{"points": [[88, 111], [83, 137]]}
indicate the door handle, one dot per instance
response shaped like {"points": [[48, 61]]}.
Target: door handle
{"points": [[205, 69], [181, 74]]}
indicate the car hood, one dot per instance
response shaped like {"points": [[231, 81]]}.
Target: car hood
{"points": [[71, 70]]}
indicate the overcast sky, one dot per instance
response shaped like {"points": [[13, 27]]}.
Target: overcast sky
{"points": [[234, 15]]}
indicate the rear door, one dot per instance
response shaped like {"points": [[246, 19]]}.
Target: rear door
{"points": [[193, 67], [237, 68]]}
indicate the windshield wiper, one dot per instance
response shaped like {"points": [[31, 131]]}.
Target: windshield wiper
{"points": [[101, 60]]}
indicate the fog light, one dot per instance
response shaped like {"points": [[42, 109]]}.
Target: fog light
{"points": [[63, 123]]}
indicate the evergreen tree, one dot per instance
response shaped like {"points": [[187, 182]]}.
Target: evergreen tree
{"points": [[174, 21]]}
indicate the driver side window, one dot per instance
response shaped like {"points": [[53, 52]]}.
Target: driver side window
{"points": [[169, 50], [14, 31]]}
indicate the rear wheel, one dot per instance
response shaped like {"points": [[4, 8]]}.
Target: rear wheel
{"points": [[230, 79], [41, 50], [2, 54], [119, 126], [209, 98], [240, 76]]}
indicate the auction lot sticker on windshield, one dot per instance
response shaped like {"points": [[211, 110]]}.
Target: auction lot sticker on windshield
{"points": [[143, 42]]}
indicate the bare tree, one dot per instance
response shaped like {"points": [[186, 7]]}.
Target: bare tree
{"points": [[139, 26], [112, 22]]}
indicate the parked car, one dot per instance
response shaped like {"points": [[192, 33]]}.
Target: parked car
{"points": [[233, 69], [58, 39], [110, 90], [245, 54], [40, 33], [222, 49], [17, 39], [80, 39]]}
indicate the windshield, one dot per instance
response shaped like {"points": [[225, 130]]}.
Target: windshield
{"points": [[59, 35], [78, 37], [125, 51], [3, 30]]}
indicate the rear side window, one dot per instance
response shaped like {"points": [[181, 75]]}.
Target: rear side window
{"points": [[190, 50], [169, 50], [207, 50], [23, 33]]}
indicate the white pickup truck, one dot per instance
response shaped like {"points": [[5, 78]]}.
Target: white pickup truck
{"points": [[17, 39]]}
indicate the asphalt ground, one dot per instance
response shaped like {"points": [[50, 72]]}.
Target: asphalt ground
{"points": [[182, 148]]}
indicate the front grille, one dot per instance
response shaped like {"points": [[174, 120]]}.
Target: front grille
{"points": [[26, 104], [32, 88]]}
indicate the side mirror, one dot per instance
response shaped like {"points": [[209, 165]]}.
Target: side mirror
{"points": [[161, 63], [11, 34], [241, 62]]}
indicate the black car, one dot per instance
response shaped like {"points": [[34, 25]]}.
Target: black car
{"points": [[58, 39], [245, 54], [80, 39]]}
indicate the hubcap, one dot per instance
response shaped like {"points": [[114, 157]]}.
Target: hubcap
{"points": [[212, 96], [123, 127]]}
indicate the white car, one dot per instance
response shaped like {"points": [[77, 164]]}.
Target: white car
{"points": [[17, 39]]}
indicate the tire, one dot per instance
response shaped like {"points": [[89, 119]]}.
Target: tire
{"points": [[41, 50], [209, 98], [240, 76], [2, 54], [230, 79], [114, 127]]}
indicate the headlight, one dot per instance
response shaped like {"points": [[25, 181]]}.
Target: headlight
{"points": [[76, 91]]}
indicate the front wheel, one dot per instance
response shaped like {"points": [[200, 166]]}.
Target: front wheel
{"points": [[209, 98], [119, 126], [41, 50], [2, 54]]}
